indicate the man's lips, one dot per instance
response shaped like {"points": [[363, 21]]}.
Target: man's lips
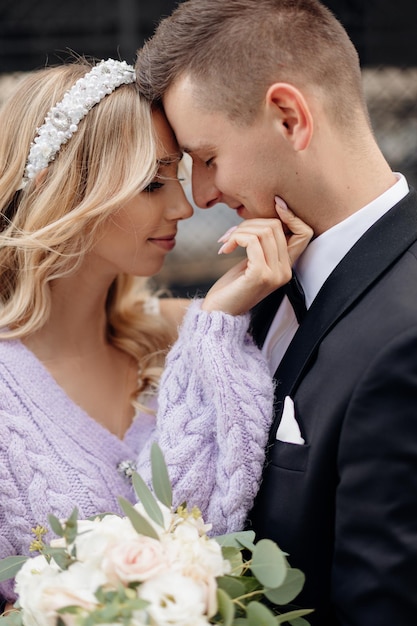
{"points": [[166, 243]]}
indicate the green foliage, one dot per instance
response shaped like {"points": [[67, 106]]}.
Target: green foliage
{"points": [[269, 565], [11, 618], [243, 538], [289, 589], [160, 479], [10, 566], [150, 505], [139, 523], [226, 608]]}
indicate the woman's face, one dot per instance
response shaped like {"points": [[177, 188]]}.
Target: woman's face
{"points": [[137, 237]]}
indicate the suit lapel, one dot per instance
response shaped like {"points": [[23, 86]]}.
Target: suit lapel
{"points": [[369, 258]]}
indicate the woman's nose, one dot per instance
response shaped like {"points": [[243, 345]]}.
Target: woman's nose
{"points": [[183, 209]]}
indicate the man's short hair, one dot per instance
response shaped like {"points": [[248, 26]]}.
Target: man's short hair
{"points": [[234, 50]]}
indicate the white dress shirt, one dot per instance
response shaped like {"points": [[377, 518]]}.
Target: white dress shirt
{"points": [[318, 261]]}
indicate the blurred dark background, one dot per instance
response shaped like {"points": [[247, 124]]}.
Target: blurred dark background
{"points": [[32, 32], [35, 33]]}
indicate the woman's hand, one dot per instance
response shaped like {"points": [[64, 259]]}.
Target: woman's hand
{"points": [[272, 246]]}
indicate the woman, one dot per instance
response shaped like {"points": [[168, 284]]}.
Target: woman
{"points": [[90, 201]]}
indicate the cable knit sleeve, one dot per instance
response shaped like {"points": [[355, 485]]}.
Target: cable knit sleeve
{"points": [[215, 410]]}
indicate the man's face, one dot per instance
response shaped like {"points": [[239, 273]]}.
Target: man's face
{"points": [[234, 164]]}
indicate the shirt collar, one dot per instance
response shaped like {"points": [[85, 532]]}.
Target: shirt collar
{"points": [[326, 251]]}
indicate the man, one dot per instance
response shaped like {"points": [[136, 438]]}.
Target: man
{"points": [[266, 97]]}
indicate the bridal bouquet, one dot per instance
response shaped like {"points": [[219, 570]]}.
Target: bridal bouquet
{"points": [[155, 566]]}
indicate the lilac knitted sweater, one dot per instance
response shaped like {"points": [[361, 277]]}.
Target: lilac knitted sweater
{"points": [[214, 412]]}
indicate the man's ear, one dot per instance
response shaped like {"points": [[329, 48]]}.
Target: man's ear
{"points": [[291, 111]]}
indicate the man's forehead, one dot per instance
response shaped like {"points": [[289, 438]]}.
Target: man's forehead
{"points": [[195, 128]]}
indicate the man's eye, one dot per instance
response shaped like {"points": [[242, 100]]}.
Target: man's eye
{"points": [[153, 186]]}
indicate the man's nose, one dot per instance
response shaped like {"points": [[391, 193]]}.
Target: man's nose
{"points": [[205, 192]]}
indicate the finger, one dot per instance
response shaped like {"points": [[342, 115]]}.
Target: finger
{"points": [[299, 233], [226, 235], [267, 257], [267, 233], [259, 226]]}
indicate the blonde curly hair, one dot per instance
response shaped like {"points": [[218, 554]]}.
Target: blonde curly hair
{"points": [[47, 228]]}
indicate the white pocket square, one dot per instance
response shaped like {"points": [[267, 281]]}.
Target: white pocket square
{"points": [[288, 430]]}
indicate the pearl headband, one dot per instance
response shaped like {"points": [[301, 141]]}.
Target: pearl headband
{"points": [[62, 120]]}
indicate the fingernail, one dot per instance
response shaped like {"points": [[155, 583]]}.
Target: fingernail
{"points": [[226, 235], [281, 203], [220, 251]]}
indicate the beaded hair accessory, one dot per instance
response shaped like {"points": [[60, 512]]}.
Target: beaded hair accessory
{"points": [[62, 120]]}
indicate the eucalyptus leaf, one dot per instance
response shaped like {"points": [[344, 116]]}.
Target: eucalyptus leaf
{"points": [[290, 588], [139, 523], [269, 564], [98, 516], [101, 594], [138, 604], [250, 584], [259, 615], [11, 618], [240, 621], [247, 543], [236, 540], [61, 557], [70, 530], [160, 479], [109, 613], [71, 610], [232, 586], [294, 617], [146, 497], [10, 565], [56, 525], [226, 608], [234, 556]]}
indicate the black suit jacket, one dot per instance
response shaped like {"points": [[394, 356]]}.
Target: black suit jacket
{"points": [[343, 505]]}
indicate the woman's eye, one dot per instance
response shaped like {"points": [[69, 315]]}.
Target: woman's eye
{"points": [[153, 186], [209, 162]]}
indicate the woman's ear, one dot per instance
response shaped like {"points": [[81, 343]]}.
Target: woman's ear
{"points": [[292, 112]]}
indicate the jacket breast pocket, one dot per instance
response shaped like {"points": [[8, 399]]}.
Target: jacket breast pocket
{"points": [[289, 456]]}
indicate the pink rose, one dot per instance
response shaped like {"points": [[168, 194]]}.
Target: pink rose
{"points": [[136, 559]]}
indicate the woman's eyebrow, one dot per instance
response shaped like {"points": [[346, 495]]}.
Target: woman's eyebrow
{"points": [[169, 159]]}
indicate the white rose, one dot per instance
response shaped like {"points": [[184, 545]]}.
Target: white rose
{"points": [[185, 547], [75, 586], [136, 559], [207, 584], [198, 558], [46, 591], [174, 600], [35, 574], [96, 537]]}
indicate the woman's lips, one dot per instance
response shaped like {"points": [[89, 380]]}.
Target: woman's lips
{"points": [[166, 243]]}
